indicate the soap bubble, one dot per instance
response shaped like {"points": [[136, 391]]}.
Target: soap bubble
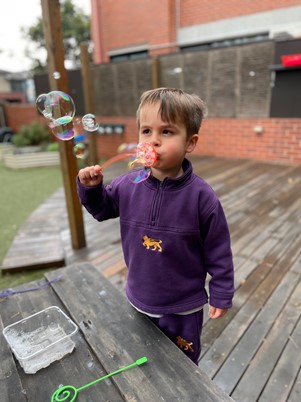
{"points": [[56, 75], [56, 104], [146, 156], [143, 175], [80, 150], [77, 122], [127, 148], [59, 109], [89, 122], [62, 128]]}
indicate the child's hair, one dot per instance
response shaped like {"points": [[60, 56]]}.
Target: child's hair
{"points": [[175, 106]]}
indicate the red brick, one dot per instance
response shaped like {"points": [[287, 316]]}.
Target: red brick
{"points": [[218, 137]]}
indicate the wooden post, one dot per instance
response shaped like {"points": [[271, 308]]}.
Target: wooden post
{"points": [[55, 49], [156, 73], [89, 101]]}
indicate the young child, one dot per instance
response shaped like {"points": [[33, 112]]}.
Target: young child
{"points": [[173, 227]]}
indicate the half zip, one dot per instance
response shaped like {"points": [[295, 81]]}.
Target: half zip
{"points": [[156, 203]]}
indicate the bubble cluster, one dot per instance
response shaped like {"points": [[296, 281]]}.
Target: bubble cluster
{"points": [[146, 155], [143, 156], [58, 108]]}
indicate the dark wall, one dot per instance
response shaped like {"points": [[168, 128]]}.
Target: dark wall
{"points": [[118, 86], [286, 94], [75, 84]]}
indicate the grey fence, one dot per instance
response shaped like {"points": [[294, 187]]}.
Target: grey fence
{"points": [[233, 81]]}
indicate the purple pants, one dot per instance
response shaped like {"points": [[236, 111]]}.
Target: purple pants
{"points": [[183, 330]]}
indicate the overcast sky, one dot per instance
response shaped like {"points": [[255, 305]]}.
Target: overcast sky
{"points": [[15, 14]]}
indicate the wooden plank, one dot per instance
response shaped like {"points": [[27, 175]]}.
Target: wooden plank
{"points": [[11, 388], [128, 336], [287, 369], [233, 369], [88, 99], [34, 248], [114, 269], [295, 393], [263, 206], [38, 242], [37, 159], [248, 301], [258, 372], [53, 35], [259, 210], [247, 289], [78, 368]]}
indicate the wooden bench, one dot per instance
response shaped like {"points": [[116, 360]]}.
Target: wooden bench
{"points": [[112, 335]]}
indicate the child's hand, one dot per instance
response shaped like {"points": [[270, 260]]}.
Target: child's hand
{"points": [[90, 176], [215, 312]]}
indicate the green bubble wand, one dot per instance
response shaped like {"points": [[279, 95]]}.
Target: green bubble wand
{"points": [[68, 393]]}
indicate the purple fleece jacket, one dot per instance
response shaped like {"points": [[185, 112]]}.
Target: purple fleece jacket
{"points": [[173, 233]]}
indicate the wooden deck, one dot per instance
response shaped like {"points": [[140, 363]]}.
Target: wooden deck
{"points": [[254, 352]]}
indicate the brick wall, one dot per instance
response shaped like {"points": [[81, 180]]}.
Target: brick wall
{"points": [[153, 23], [200, 12], [124, 24], [17, 115], [108, 144], [279, 141]]}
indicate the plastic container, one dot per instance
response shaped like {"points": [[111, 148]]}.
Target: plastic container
{"points": [[41, 338]]}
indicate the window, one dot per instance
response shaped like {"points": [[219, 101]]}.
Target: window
{"points": [[130, 56], [226, 42]]}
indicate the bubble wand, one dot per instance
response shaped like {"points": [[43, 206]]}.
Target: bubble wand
{"points": [[146, 156], [66, 392]]}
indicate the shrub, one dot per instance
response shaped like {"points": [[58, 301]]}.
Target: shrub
{"points": [[52, 147], [32, 134]]}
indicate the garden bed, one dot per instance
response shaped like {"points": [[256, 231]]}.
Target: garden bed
{"points": [[28, 160], [5, 148]]}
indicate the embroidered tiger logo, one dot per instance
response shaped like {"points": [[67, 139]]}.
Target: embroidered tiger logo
{"points": [[183, 344], [152, 244]]}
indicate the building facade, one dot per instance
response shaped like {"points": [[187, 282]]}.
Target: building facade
{"points": [[228, 52], [128, 29], [235, 45]]}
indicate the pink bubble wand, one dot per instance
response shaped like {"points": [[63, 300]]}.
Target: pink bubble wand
{"points": [[146, 156]]}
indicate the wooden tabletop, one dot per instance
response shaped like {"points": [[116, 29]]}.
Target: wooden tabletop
{"points": [[111, 335]]}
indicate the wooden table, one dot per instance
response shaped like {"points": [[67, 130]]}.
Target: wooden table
{"points": [[111, 335]]}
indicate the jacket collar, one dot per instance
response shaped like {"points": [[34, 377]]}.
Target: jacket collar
{"points": [[171, 183]]}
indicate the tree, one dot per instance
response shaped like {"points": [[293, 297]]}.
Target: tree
{"points": [[76, 29]]}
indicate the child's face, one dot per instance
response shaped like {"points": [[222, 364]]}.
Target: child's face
{"points": [[169, 140]]}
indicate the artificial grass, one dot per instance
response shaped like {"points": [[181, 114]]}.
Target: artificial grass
{"points": [[22, 191]]}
